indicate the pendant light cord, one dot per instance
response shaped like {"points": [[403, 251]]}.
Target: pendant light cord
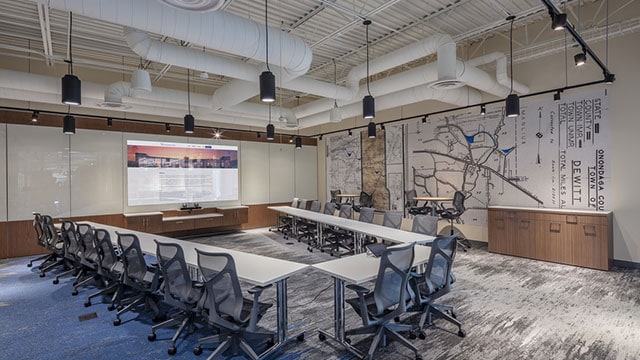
{"points": [[367, 23], [70, 47], [335, 79], [266, 33], [189, 91], [511, 54]]}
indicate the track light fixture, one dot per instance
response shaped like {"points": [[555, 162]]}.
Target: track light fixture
{"points": [[371, 130], [350, 133], [217, 133], [483, 109], [167, 127], [512, 105], [580, 58], [298, 142], [382, 127], [609, 78], [320, 138], [71, 85], [556, 96], [189, 120], [109, 122], [424, 119], [34, 116], [558, 21], [368, 103], [267, 79], [291, 138], [258, 134]]}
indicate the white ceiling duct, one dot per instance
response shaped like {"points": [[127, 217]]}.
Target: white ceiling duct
{"points": [[501, 70], [233, 34], [287, 116], [196, 5], [140, 80], [459, 96], [113, 96]]}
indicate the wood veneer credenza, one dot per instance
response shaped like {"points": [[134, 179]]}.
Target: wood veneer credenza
{"points": [[575, 237], [188, 221]]}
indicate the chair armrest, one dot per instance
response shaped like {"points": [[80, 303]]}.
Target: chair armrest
{"points": [[257, 290], [358, 289]]}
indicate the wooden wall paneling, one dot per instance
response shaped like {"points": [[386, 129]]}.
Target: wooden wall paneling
{"points": [[260, 216], [501, 232], [3, 240], [21, 239]]}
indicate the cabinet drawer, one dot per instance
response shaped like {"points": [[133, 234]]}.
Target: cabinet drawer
{"points": [[208, 222], [177, 225]]}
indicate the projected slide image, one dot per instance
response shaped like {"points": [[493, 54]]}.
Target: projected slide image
{"points": [[167, 173]]}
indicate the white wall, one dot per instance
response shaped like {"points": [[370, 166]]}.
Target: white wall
{"points": [[85, 173]]}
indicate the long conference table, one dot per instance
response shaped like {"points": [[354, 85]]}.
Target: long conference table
{"points": [[254, 269], [356, 269]]}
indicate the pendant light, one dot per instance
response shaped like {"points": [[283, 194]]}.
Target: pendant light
{"points": [[335, 115], [267, 79], [69, 123], [368, 103], [271, 130], [71, 87], [189, 121], [298, 142], [371, 130], [512, 106]]}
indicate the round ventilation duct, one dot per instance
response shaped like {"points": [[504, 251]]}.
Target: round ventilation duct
{"points": [[113, 105], [195, 5]]}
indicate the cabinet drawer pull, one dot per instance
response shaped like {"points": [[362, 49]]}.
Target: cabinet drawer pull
{"points": [[179, 222], [524, 224], [554, 227], [589, 230], [572, 219], [500, 224]]}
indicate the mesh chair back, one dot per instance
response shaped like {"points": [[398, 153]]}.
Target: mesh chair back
{"points": [[106, 253], [224, 295], [69, 239], [346, 211], [392, 219], [50, 233], [87, 242], [438, 270], [334, 196], [366, 199], [393, 275], [302, 204], [134, 265], [408, 198], [366, 215], [458, 202], [177, 280], [315, 206], [294, 202], [425, 224], [329, 208], [38, 222]]}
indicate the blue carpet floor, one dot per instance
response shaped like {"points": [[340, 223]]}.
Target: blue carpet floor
{"points": [[512, 308]]}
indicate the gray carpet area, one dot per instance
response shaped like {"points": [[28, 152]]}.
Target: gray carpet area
{"points": [[512, 308]]}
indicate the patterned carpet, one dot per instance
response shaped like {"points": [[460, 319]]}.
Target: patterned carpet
{"points": [[511, 308]]}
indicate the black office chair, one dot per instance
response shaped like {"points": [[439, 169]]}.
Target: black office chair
{"points": [[88, 257], [453, 214], [234, 316], [38, 227], [337, 238], [54, 244], [334, 196], [110, 269], [307, 229], [329, 209], [139, 277], [388, 300], [411, 205], [285, 222], [71, 259], [180, 292], [425, 224], [365, 200], [435, 283]]}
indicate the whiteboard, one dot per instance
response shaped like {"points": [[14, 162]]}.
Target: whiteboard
{"points": [[38, 171], [306, 170], [96, 173], [254, 165]]}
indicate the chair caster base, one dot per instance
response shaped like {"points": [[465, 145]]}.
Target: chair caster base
{"points": [[300, 338], [197, 351], [55, 281], [462, 333], [152, 337], [41, 274], [117, 322], [74, 293], [87, 303], [322, 337], [111, 307], [172, 350]]}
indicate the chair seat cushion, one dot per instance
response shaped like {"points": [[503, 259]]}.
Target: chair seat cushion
{"points": [[369, 300]]}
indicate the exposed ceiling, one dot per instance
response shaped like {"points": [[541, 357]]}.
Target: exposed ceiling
{"points": [[331, 28]]}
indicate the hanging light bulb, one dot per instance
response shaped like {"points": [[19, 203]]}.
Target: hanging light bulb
{"points": [[512, 104], [368, 102], [71, 85], [298, 142], [271, 130], [189, 120], [267, 79]]}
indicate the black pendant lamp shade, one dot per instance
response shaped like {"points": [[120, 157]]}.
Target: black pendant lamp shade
{"points": [[371, 130], [298, 142], [512, 105], [368, 107], [189, 124], [69, 125], [71, 90], [267, 87], [271, 132]]}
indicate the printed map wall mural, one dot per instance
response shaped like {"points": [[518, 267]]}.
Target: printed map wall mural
{"points": [[554, 155]]}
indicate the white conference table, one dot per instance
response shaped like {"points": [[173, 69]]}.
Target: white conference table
{"points": [[356, 269], [358, 227], [254, 269]]}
